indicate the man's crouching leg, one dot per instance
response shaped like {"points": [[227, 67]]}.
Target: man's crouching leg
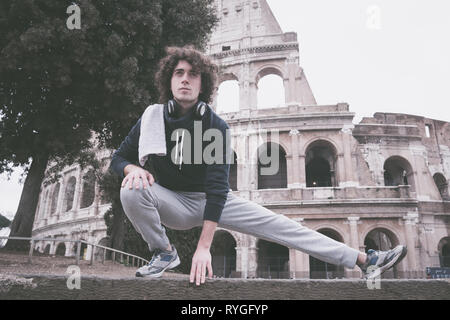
{"points": [[141, 207]]}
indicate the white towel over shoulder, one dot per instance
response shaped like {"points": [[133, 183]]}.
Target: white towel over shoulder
{"points": [[153, 134]]}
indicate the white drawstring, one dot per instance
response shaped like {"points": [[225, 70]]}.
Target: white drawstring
{"points": [[181, 149]]}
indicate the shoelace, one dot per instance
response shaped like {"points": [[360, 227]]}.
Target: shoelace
{"points": [[155, 258]]}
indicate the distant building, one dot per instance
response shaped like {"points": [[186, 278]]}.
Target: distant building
{"points": [[375, 184]]}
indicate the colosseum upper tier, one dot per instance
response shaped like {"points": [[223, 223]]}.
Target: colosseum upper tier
{"points": [[372, 185]]}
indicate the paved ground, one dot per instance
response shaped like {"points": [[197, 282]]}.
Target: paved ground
{"points": [[13, 263]]}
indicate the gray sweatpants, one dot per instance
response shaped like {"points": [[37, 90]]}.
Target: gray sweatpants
{"points": [[149, 209]]}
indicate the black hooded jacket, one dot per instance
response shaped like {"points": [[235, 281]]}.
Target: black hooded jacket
{"points": [[190, 175]]}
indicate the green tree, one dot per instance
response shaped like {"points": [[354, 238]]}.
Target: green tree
{"points": [[4, 222], [57, 85]]}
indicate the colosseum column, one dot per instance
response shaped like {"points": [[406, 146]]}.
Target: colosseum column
{"points": [[77, 195], [354, 243], [289, 82], [294, 169], [298, 261], [60, 201], [252, 257], [354, 240], [302, 170], [253, 161], [411, 220], [252, 95], [417, 167], [241, 261], [339, 174], [350, 179], [242, 162]]}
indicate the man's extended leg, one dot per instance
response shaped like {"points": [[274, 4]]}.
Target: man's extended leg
{"points": [[248, 217]]}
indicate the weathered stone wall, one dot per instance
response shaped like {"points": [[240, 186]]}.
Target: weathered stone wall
{"points": [[55, 288]]}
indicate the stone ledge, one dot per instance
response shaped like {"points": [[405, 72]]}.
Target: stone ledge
{"points": [[43, 287]]}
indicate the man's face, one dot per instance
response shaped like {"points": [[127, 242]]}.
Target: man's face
{"points": [[186, 84]]}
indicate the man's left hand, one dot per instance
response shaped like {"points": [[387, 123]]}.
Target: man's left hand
{"points": [[200, 262]]}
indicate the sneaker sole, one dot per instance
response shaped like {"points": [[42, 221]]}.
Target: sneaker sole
{"points": [[378, 272], [172, 265]]}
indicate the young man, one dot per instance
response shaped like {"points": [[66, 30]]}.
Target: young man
{"points": [[187, 194]]}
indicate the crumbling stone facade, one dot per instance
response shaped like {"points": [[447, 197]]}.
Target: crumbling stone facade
{"points": [[372, 185]]}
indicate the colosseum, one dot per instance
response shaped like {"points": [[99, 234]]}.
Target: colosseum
{"points": [[372, 185]]}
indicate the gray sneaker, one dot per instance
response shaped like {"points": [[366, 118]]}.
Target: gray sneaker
{"points": [[379, 261], [160, 262]]}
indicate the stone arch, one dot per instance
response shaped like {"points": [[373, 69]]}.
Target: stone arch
{"points": [[273, 260], [99, 253], [88, 191], [398, 171], [444, 252], [54, 200], [268, 69], [272, 166], [60, 249], [47, 249], [233, 176], [442, 185], [69, 193], [223, 253], [228, 76], [321, 162], [323, 270], [340, 234]]}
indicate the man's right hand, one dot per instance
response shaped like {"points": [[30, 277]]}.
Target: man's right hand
{"points": [[134, 175]]}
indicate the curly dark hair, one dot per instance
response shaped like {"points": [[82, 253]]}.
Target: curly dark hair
{"points": [[199, 62]]}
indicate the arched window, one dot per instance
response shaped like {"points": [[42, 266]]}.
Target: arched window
{"points": [[61, 249], [223, 253], [273, 260], [444, 252], [228, 97], [272, 167], [88, 195], [271, 93], [319, 269], [442, 185], [70, 193], [320, 165], [398, 171]]}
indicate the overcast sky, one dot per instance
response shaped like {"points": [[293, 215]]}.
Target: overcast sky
{"points": [[378, 56]]}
